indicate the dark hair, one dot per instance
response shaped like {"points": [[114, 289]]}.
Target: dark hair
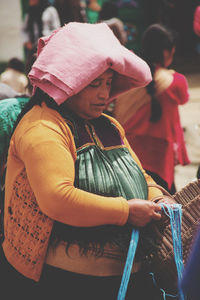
{"points": [[109, 10], [155, 40], [70, 11], [16, 64], [37, 99], [31, 58]]}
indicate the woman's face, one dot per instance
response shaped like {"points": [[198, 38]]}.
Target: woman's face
{"points": [[168, 56], [92, 100]]}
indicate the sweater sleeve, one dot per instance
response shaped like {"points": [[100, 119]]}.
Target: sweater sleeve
{"points": [[47, 155], [178, 90]]}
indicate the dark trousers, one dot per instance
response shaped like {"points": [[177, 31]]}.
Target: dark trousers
{"points": [[58, 284]]}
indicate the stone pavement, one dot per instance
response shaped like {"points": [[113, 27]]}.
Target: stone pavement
{"points": [[190, 120]]}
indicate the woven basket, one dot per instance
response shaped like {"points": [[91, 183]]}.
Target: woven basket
{"points": [[164, 266]]}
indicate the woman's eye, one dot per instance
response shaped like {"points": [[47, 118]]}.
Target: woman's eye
{"points": [[95, 84]]}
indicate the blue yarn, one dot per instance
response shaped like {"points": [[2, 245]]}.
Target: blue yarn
{"points": [[128, 265], [162, 291], [174, 212]]}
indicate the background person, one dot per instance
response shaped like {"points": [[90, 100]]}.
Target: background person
{"points": [[109, 14], [6, 91], [150, 115], [71, 11], [14, 75], [40, 20], [74, 187]]}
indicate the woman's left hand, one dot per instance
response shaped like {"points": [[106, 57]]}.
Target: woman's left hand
{"points": [[167, 200]]}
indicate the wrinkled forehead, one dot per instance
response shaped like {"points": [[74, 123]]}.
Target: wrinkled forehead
{"points": [[109, 73]]}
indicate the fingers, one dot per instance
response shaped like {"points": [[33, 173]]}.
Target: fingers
{"points": [[156, 207], [156, 216], [142, 212]]}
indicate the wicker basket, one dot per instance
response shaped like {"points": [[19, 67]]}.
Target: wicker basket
{"points": [[164, 266]]}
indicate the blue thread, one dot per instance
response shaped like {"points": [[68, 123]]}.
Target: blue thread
{"points": [[128, 264], [174, 212], [163, 291]]}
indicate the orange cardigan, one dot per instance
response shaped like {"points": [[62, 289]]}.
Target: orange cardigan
{"points": [[39, 189]]}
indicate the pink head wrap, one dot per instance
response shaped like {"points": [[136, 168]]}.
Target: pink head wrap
{"points": [[77, 53]]}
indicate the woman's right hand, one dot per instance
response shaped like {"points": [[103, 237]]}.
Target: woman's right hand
{"points": [[142, 212]]}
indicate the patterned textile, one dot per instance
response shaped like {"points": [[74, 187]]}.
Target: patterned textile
{"points": [[9, 108]]}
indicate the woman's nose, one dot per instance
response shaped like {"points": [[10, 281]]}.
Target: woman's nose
{"points": [[104, 92]]}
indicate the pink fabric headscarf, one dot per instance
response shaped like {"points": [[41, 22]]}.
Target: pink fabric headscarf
{"points": [[77, 53]]}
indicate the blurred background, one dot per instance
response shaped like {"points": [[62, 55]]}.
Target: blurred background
{"points": [[135, 15]]}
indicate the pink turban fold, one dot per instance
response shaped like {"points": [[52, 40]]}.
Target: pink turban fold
{"points": [[77, 53]]}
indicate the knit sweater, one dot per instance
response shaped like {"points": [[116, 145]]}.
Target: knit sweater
{"points": [[40, 189]]}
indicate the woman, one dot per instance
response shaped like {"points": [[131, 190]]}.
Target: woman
{"points": [[109, 14], [14, 75], [70, 172], [150, 115], [71, 11], [40, 20]]}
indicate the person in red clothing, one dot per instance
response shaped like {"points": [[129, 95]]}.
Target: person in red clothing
{"points": [[151, 119], [196, 21]]}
